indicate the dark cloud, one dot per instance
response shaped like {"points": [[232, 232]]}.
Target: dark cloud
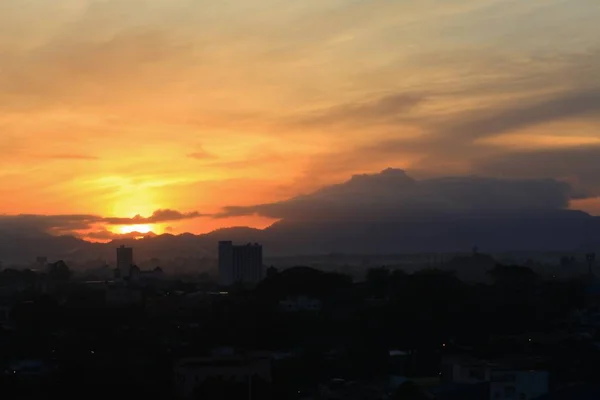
{"points": [[45, 223], [579, 166], [460, 130], [522, 114], [392, 192], [451, 143], [156, 217], [323, 169], [68, 224]]}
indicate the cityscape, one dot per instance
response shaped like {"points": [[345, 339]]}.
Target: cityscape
{"points": [[484, 330], [300, 200]]}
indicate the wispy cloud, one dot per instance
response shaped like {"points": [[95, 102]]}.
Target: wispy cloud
{"points": [[385, 109], [66, 157], [201, 154], [525, 113]]}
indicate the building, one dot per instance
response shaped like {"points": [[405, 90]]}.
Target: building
{"points": [[506, 380], [226, 367], [240, 264], [518, 384], [134, 274], [584, 391], [29, 369], [124, 261]]}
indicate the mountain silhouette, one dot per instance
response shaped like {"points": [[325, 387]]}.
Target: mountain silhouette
{"points": [[547, 230]]}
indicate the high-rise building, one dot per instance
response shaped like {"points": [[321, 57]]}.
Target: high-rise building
{"points": [[240, 264], [124, 261]]}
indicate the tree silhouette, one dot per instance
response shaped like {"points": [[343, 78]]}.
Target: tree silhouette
{"points": [[378, 280], [272, 272], [408, 391], [514, 276]]}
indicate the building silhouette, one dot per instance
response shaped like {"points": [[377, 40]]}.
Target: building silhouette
{"points": [[124, 261], [240, 264]]}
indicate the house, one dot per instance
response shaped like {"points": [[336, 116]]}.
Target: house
{"points": [[575, 392], [508, 380]]}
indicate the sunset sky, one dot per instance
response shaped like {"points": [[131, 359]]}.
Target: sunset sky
{"points": [[118, 108]]}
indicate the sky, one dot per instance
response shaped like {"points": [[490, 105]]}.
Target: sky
{"points": [[179, 111]]}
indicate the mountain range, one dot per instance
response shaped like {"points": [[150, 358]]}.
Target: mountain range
{"points": [[556, 230], [383, 213]]}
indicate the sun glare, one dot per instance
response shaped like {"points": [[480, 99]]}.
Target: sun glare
{"points": [[136, 228]]}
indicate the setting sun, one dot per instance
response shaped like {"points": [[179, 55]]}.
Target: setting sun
{"points": [[136, 228]]}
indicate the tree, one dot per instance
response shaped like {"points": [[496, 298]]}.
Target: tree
{"points": [[408, 391], [272, 272], [303, 281], [378, 282], [513, 276]]}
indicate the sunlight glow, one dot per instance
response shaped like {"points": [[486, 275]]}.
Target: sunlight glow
{"points": [[135, 228]]}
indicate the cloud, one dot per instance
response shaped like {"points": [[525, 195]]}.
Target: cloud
{"points": [[74, 157], [579, 166], [521, 114], [30, 223], [127, 63], [348, 83], [156, 217], [385, 109], [201, 154], [393, 193], [71, 224], [463, 127], [455, 142]]}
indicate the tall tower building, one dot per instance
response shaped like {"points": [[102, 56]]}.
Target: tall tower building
{"points": [[124, 260], [226, 263], [240, 264]]}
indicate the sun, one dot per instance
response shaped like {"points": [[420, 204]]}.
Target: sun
{"points": [[136, 228]]}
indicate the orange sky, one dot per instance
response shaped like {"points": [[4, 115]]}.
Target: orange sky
{"points": [[124, 107]]}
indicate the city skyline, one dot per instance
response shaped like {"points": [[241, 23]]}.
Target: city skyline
{"points": [[189, 116], [300, 200]]}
